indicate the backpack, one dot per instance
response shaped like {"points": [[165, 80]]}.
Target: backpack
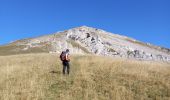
{"points": [[63, 56]]}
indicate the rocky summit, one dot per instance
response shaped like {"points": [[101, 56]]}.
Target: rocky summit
{"points": [[87, 40]]}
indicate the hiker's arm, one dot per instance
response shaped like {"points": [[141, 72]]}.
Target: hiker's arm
{"points": [[67, 57]]}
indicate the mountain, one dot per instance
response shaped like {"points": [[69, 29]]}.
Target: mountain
{"points": [[87, 40]]}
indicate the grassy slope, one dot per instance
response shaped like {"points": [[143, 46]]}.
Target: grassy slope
{"points": [[12, 49], [39, 77]]}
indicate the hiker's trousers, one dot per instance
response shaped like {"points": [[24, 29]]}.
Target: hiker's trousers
{"points": [[66, 65]]}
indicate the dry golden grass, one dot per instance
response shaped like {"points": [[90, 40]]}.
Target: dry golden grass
{"points": [[39, 77]]}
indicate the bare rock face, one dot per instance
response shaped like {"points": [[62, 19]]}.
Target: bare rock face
{"points": [[87, 40]]}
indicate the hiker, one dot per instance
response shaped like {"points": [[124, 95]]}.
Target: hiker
{"points": [[64, 57]]}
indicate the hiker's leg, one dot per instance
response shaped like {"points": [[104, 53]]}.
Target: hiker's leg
{"points": [[68, 68], [64, 67]]}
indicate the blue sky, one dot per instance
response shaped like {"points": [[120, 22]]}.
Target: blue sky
{"points": [[144, 20]]}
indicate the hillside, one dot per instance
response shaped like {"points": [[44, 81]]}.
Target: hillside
{"points": [[87, 40], [39, 77]]}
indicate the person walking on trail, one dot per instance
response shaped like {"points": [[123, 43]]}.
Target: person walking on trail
{"points": [[65, 58]]}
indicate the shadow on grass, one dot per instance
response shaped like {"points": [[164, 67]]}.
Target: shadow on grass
{"points": [[55, 72]]}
